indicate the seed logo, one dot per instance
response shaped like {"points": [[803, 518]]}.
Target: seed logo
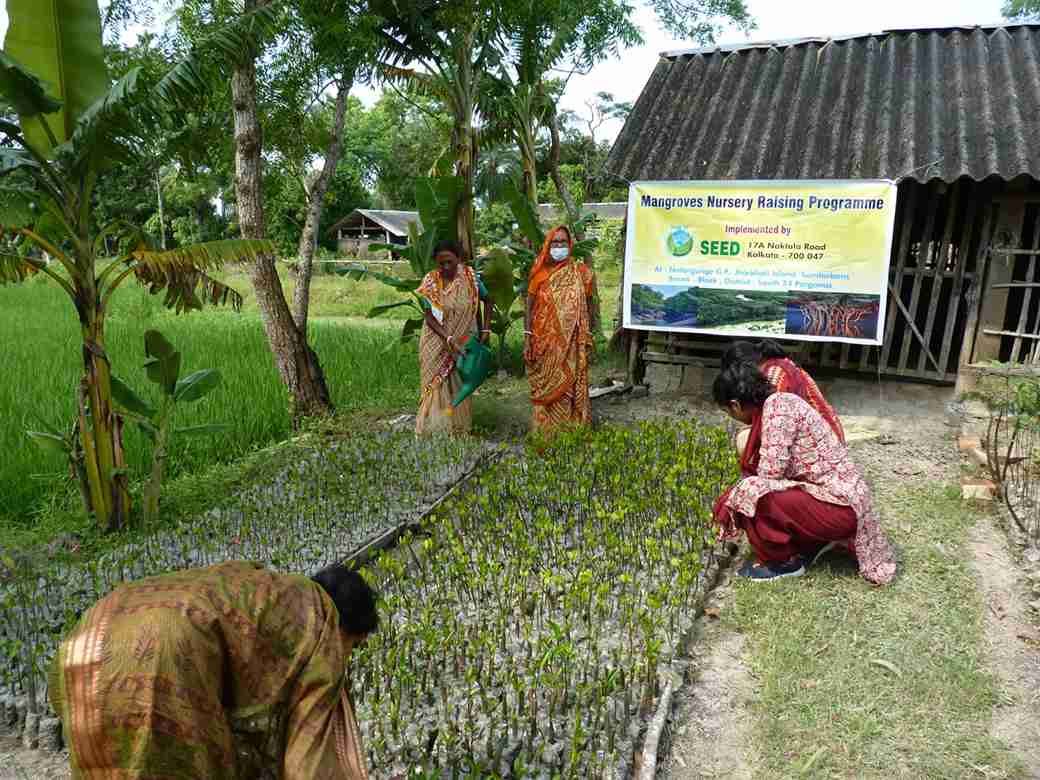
{"points": [[680, 241]]}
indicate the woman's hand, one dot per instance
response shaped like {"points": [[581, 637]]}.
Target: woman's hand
{"points": [[528, 348], [485, 336], [455, 348]]}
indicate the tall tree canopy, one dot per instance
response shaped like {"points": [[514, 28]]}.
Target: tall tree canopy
{"points": [[1022, 10]]}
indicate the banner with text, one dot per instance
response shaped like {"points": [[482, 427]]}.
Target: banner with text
{"points": [[801, 260]]}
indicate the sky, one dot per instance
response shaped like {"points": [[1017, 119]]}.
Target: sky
{"points": [[625, 76]]}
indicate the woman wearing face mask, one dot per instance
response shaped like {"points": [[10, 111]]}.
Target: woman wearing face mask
{"points": [[560, 319], [454, 303]]}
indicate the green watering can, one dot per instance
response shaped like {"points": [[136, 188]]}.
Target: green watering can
{"points": [[474, 365]]}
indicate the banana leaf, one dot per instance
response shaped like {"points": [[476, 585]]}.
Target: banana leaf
{"points": [[60, 42]]}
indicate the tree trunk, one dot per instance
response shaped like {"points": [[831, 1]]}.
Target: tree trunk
{"points": [[465, 164], [464, 141], [101, 433], [162, 221], [619, 341], [296, 361], [554, 170], [315, 205], [528, 157]]}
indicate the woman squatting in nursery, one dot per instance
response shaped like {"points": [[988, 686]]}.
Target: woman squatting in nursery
{"points": [[231, 671], [799, 493]]}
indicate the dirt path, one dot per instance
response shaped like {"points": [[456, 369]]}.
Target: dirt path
{"points": [[1012, 644], [16, 763], [710, 726]]}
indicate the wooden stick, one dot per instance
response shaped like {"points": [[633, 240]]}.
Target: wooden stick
{"points": [[913, 326], [367, 551], [653, 734]]}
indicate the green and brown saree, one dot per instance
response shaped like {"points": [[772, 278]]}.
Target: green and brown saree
{"points": [[232, 671]]}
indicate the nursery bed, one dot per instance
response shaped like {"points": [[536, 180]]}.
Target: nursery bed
{"points": [[526, 631]]}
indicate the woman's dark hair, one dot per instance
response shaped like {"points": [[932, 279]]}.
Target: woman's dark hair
{"points": [[741, 382], [353, 597], [749, 352], [447, 245]]}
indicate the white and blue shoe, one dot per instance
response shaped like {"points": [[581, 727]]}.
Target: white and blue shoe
{"points": [[761, 572]]}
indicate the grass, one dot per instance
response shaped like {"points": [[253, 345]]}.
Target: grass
{"points": [[861, 682], [364, 367]]}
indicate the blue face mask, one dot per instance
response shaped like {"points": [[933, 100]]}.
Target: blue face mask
{"points": [[559, 253]]}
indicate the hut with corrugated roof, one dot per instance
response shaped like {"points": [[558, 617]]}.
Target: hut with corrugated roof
{"points": [[362, 227], [952, 114]]}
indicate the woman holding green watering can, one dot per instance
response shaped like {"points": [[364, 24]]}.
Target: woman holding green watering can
{"points": [[455, 309]]}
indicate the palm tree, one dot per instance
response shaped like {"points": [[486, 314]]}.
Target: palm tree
{"points": [[548, 38], [72, 124], [450, 46]]}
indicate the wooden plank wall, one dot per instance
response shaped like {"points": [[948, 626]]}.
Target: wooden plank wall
{"points": [[942, 235]]}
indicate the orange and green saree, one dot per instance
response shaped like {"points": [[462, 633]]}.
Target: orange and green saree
{"points": [[232, 671], [454, 305], [561, 338]]}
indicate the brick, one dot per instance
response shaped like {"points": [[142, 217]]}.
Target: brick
{"points": [[978, 489], [967, 443]]}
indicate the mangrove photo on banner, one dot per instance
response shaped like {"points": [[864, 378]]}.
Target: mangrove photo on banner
{"points": [[671, 306], [741, 310], [664, 305], [841, 315]]}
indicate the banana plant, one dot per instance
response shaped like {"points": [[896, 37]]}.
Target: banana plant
{"points": [[497, 273], [163, 368], [73, 124], [438, 200], [530, 228]]}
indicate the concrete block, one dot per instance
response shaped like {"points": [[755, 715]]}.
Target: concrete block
{"points": [[976, 409], [50, 735], [978, 456], [978, 489], [31, 732]]}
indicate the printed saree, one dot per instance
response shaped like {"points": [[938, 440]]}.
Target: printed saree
{"points": [[454, 306], [788, 377], [791, 446], [231, 671], [561, 336]]}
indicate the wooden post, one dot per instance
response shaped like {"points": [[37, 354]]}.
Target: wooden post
{"points": [[636, 364], [966, 380]]}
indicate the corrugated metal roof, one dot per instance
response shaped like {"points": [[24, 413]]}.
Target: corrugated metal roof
{"points": [[394, 221], [922, 104]]}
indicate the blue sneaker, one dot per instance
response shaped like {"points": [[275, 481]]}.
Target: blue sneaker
{"points": [[761, 572], [810, 559]]}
